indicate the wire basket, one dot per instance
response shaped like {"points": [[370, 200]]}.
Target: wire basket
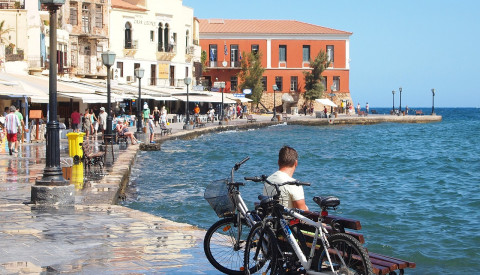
{"points": [[219, 199]]}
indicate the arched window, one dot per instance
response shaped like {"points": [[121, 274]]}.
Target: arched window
{"points": [[128, 35], [160, 37], [166, 36], [187, 37]]}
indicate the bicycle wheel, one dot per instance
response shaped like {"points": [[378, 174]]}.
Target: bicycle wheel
{"points": [[347, 248], [261, 250], [221, 248]]}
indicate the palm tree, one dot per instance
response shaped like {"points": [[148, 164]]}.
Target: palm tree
{"points": [[3, 31]]}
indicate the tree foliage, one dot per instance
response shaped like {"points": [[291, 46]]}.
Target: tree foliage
{"points": [[250, 75], [314, 87], [203, 59], [3, 31]]}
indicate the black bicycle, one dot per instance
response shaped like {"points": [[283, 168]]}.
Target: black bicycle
{"points": [[277, 246]]}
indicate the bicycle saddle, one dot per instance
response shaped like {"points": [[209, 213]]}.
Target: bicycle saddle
{"points": [[327, 202]]}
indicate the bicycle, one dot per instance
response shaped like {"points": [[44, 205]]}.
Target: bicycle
{"points": [[224, 241], [279, 248]]}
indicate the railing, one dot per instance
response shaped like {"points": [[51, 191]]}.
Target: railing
{"points": [[130, 44], [169, 48], [11, 4], [14, 57]]}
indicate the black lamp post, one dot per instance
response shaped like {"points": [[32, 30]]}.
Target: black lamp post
{"points": [[400, 109], [52, 188], [139, 72], [222, 87], [275, 88], [187, 81], [108, 58], [433, 102], [393, 106]]}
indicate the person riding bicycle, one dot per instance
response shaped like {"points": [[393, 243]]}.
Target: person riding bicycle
{"points": [[292, 196]]}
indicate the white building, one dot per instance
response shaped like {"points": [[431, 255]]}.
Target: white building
{"points": [[159, 36]]}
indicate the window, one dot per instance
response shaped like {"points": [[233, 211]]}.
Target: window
{"points": [[293, 83], [187, 38], [279, 83], [86, 18], [234, 53], [255, 48], [264, 83], [152, 35], [120, 68], [306, 53], [74, 55], [160, 37], [213, 52], [73, 13], [324, 82], [233, 83], [330, 53], [128, 35], [336, 83], [99, 55], [166, 33], [282, 53], [99, 16]]}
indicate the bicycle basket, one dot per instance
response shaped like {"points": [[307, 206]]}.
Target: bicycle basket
{"points": [[217, 196]]}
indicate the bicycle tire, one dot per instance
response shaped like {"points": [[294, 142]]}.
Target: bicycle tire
{"points": [[261, 258], [353, 253], [219, 248]]}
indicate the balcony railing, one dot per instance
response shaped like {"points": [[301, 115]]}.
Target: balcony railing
{"points": [[130, 44], [11, 5]]}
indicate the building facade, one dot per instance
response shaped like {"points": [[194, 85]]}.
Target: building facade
{"points": [[286, 47], [159, 36]]}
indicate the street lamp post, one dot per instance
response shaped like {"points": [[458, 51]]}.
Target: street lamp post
{"points": [[139, 72], [222, 87], [108, 58], [433, 102], [187, 81], [400, 109], [275, 88], [393, 106], [52, 188]]}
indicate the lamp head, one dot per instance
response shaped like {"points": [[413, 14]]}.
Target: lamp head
{"points": [[139, 72], [433, 91], [400, 89], [108, 58], [187, 80], [393, 92], [275, 87]]}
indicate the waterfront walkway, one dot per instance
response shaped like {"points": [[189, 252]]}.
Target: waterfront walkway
{"points": [[97, 237]]}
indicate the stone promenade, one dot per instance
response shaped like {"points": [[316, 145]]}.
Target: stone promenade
{"points": [[95, 236]]}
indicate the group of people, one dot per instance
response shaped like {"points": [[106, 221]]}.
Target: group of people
{"points": [[235, 111], [11, 124]]}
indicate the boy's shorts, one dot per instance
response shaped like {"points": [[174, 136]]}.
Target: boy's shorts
{"points": [[12, 137]]}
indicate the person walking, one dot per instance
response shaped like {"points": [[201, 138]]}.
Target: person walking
{"points": [[367, 108], [151, 126], [102, 120], [12, 123], [75, 116], [20, 129], [358, 107], [163, 116], [156, 115], [87, 123]]}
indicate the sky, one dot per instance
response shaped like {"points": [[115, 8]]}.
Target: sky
{"points": [[414, 44]]}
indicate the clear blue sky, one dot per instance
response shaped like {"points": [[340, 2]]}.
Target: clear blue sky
{"points": [[414, 44]]}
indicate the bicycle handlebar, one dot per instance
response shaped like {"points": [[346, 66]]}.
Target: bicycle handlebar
{"points": [[238, 164]]}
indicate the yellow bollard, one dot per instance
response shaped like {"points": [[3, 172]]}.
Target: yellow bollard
{"points": [[74, 146]]}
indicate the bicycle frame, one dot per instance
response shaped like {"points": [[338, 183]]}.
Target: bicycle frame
{"points": [[320, 232]]}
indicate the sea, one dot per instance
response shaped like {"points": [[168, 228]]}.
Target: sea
{"points": [[414, 187]]}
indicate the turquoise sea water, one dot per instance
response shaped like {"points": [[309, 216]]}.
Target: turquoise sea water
{"points": [[414, 187]]}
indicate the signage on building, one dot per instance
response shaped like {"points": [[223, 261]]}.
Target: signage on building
{"points": [[163, 71], [239, 95], [247, 91]]}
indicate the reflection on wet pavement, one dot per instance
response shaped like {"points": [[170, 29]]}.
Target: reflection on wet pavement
{"points": [[91, 237]]}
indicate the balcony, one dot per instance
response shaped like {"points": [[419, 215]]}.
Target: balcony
{"points": [[130, 47], [192, 52], [166, 54], [11, 5]]}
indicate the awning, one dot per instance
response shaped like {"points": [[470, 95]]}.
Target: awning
{"points": [[241, 99], [326, 102], [85, 97], [206, 97]]}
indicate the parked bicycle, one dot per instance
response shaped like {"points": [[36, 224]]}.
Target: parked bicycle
{"points": [[224, 241], [277, 246]]}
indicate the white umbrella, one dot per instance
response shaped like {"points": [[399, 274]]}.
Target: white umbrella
{"points": [[326, 101]]}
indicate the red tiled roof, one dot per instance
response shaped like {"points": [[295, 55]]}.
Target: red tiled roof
{"points": [[263, 27], [120, 4]]}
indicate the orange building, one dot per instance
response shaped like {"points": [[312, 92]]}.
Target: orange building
{"points": [[286, 46]]}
